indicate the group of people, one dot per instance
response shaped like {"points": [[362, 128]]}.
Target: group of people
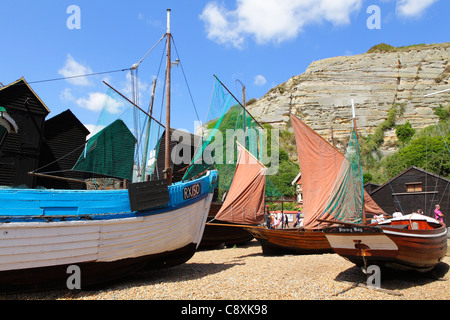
{"points": [[438, 215], [277, 220]]}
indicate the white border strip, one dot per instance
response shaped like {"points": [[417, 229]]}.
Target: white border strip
{"points": [[415, 235]]}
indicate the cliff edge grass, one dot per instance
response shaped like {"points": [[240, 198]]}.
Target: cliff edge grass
{"points": [[384, 47]]}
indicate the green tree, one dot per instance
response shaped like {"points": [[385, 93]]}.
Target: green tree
{"points": [[429, 153], [442, 112], [405, 132]]}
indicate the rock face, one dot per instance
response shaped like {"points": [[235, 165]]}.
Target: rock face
{"points": [[375, 81]]}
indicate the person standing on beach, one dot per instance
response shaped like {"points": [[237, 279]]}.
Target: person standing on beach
{"points": [[438, 214]]}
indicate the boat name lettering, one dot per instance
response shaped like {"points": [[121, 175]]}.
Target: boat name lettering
{"points": [[351, 229], [191, 191]]}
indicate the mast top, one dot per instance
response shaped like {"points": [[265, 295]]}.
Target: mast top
{"points": [[168, 21]]}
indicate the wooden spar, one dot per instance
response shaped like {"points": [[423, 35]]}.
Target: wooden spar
{"points": [[55, 177], [353, 115], [168, 169], [339, 222], [133, 104], [233, 225], [147, 135], [239, 102]]}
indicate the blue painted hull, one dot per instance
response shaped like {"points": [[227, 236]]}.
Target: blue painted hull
{"points": [[43, 232], [47, 204]]}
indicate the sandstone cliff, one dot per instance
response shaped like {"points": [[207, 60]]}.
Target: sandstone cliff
{"points": [[321, 96]]}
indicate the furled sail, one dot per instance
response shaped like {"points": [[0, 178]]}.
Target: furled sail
{"points": [[320, 165], [244, 203], [345, 202]]}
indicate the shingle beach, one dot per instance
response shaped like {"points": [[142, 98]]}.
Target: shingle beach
{"points": [[244, 273]]}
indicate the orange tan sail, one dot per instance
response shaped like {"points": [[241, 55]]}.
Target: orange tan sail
{"points": [[320, 164], [244, 203]]}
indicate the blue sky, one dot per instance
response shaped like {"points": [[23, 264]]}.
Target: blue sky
{"points": [[260, 43]]}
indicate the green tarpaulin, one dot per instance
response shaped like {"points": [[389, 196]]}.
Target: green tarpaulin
{"points": [[109, 152]]}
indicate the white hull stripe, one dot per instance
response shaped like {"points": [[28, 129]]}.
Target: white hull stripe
{"points": [[415, 235]]}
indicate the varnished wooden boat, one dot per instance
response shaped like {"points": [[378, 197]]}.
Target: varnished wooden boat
{"points": [[290, 241], [320, 164], [222, 233], [46, 235], [43, 232], [413, 242]]}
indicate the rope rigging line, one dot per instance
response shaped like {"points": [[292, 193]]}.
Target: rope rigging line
{"points": [[185, 79], [79, 76]]}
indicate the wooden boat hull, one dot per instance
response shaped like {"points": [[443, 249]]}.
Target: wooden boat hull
{"points": [[390, 246], [35, 252], [219, 235], [290, 241], [92, 274]]}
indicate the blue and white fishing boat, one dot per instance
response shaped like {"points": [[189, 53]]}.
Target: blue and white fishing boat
{"points": [[49, 237]]}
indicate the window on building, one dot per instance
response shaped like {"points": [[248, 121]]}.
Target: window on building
{"points": [[413, 186]]}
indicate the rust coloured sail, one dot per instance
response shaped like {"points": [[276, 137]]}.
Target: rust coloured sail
{"points": [[244, 203], [320, 164]]}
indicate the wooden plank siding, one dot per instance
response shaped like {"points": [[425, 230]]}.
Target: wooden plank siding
{"points": [[64, 140], [20, 151], [399, 195]]}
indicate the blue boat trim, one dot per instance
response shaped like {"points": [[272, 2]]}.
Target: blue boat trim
{"points": [[30, 205], [100, 216]]}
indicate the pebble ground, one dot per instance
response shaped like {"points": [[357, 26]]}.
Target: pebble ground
{"points": [[244, 273]]}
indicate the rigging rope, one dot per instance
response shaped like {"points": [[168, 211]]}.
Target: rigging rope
{"points": [[184, 75], [79, 76]]}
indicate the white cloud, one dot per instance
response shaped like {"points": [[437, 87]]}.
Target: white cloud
{"points": [[73, 68], [94, 102], [412, 8], [97, 100], [272, 20], [221, 25], [66, 95], [259, 80]]}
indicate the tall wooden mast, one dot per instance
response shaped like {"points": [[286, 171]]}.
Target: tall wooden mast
{"points": [[168, 169]]}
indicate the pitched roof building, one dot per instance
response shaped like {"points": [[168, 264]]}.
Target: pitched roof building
{"points": [[414, 189]]}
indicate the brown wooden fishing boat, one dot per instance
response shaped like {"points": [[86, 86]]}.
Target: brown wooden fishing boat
{"points": [[243, 206], [413, 241], [222, 233], [290, 241], [320, 165]]}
